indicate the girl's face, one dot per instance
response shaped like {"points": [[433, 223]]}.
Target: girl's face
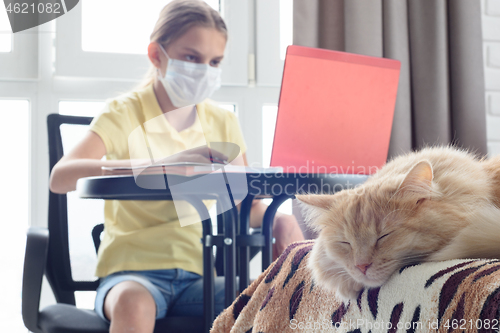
{"points": [[198, 45]]}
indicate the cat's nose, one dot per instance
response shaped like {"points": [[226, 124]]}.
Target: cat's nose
{"points": [[363, 267]]}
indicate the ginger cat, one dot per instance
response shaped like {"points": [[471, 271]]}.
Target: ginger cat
{"points": [[436, 204]]}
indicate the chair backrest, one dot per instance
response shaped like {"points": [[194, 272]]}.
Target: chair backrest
{"points": [[58, 268]]}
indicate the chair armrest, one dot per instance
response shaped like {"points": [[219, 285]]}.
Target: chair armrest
{"points": [[34, 266]]}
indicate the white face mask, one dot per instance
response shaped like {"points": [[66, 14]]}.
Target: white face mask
{"points": [[188, 83]]}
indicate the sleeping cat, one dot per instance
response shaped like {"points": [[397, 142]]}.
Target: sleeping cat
{"points": [[436, 204]]}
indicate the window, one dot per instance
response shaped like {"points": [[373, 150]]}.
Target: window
{"points": [[15, 135], [5, 42], [229, 107], [286, 26], [269, 115], [121, 36], [88, 46], [274, 33], [98, 35], [5, 32], [83, 215], [18, 53], [76, 108]]}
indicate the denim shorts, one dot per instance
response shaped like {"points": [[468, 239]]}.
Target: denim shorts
{"points": [[174, 290]]}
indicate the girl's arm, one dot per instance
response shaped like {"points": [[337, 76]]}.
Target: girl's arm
{"points": [[83, 161]]}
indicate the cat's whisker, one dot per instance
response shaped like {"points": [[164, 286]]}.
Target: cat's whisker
{"points": [[340, 278], [379, 206], [337, 272], [412, 256], [416, 255], [343, 280], [392, 196], [341, 274], [413, 259]]}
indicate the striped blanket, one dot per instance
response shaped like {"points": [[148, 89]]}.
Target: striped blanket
{"points": [[449, 296]]}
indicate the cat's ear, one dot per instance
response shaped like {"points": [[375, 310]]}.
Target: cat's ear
{"points": [[418, 181], [316, 200], [313, 207]]}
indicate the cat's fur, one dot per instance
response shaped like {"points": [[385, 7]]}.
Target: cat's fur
{"points": [[437, 204]]}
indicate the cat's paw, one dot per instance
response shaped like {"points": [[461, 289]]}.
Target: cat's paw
{"points": [[348, 289]]}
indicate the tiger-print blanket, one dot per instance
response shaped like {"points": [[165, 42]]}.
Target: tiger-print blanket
{"points": [[449, 296]]}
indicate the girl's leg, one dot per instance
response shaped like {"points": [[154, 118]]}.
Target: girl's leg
{"points": [[130, 307]]}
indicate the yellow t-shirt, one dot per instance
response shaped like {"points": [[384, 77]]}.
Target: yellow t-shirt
{"points": [[143, 235]]}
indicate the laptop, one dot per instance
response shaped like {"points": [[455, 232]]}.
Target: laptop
{"points": [[335, 112]]}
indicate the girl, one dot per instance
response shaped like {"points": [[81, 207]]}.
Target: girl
{"points": [[149, 264]]}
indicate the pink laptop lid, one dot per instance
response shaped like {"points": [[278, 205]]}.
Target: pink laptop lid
{"points": [[335, 112]]}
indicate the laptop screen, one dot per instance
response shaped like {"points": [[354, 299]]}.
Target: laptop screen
{"points": [[335, 112]]}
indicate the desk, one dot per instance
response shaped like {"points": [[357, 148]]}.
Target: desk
{"points": [[278, 186]]}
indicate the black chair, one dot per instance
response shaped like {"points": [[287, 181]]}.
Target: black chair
{"points": [[47, 252]]}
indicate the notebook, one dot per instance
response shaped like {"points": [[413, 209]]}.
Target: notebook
{"points": [[335, 112], [184, 169]]}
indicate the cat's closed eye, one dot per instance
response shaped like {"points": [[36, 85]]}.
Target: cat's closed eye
{"points": [[345, 243], [383, 236], [419, 201]]}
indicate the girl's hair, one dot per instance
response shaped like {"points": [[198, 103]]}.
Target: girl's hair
{"points": [[176, 18]]}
